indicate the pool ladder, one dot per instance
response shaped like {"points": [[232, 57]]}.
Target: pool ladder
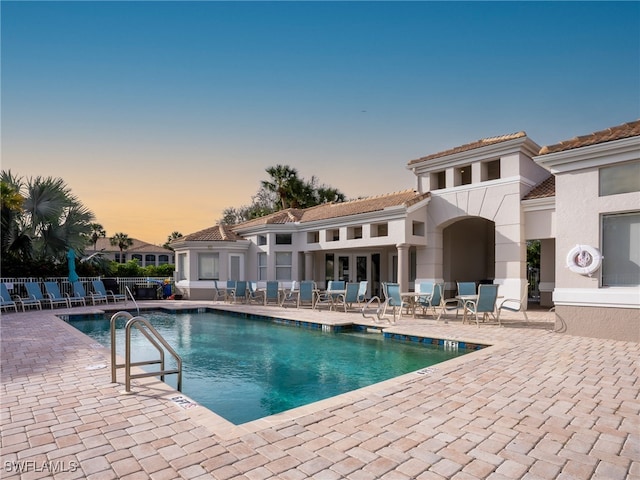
{"points": [[379, 310], [144, 327]]}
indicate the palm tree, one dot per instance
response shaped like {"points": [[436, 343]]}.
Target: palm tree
{"points": [[97, 231], [174, 235], [14, 242], [122, 241], [284, 181], [51, 219]]}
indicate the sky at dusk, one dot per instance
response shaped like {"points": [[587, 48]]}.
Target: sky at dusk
{"points": [[159, 115]]}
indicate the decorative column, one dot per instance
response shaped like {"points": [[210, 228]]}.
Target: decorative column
{"points": [[403, 266], [308, 265]]}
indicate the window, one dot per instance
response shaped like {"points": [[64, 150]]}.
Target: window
{"points": [[283, 239], [150, 259], [138, 257], [353, 233], [379, 230], [333, 235], [418, 228], [122, 258], [491, 170], [283, 265], [313, 237], [438, 180], [623, 178], [621, 249], [463, 175], [208, 266], [262, 239], [163, 259], [182, 266], [262, 266]]}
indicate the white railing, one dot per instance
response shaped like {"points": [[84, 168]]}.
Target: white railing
{"points": [[15, 285]]}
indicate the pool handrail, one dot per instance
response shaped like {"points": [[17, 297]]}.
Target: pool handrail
{"points": [[154, 338]]}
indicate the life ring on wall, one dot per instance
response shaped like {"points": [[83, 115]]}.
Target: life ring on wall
{"points": [[584, 259]]}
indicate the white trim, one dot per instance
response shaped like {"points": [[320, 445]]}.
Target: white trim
{"points": [[591, 156], [537, 204], [622, 297], [474, 155]]}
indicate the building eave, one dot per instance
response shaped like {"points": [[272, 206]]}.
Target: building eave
{"points": [[591, 156]]}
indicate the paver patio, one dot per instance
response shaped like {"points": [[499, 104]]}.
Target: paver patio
{"points": [[535, 405]]}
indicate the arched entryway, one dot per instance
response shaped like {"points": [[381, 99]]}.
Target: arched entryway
{"points": [[469, 251]]}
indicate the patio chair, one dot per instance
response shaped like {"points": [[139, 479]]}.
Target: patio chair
{"points": [[253, 294], [515, 305], [393, 299], [34, 291], [291, 295], [100, 289], [272, 292], [362, 292], [5, 298], [80, 292], [230, 291], [52, 290], [30, 300], [348, 298], [307, 293], [426, 290], [329, 296], [239, 292], [485, 303], [219, 293]]}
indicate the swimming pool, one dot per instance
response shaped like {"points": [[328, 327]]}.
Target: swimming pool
{"points": [[245, 368]]}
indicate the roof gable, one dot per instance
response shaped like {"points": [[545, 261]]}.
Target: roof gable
{"points": [[545, 189], [217, 233]]}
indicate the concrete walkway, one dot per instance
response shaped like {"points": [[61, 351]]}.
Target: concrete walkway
{"points": [[535, 405]]}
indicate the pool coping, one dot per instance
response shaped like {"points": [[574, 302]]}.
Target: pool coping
{"points": [[228, 430]]}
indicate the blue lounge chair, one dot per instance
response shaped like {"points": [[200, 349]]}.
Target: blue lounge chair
{"points": [[485, 304], [5, 298], [100, 289], [272, 293], [34, 291], [80, 292], [53, 294], [33, 298]]}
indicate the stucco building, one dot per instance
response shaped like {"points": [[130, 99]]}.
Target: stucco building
{"points": [[468, 218]]}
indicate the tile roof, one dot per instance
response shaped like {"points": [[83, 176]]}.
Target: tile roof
{"points": [[470, 146], [626, 130], [545, 189], [339, 209], [138, 246], [217, 233]]}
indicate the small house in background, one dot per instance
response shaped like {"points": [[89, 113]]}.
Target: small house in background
{"points": [[469, 218], [145, 253]]}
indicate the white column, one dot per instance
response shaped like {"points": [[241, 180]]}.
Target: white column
{"points": [[403, 266], [308, 265]]}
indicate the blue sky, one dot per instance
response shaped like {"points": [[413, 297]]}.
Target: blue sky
{"points": [[159, 115]]}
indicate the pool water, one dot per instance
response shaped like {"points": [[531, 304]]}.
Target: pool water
{"points": [[244, 369]]}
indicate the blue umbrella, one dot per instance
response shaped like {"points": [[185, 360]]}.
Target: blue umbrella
{"points": [[71, 257]]}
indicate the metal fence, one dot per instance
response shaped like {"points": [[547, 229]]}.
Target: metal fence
{"points": [[16, 285]]}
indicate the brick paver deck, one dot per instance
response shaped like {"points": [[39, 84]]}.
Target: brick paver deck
{"points": [[535, 405]]}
